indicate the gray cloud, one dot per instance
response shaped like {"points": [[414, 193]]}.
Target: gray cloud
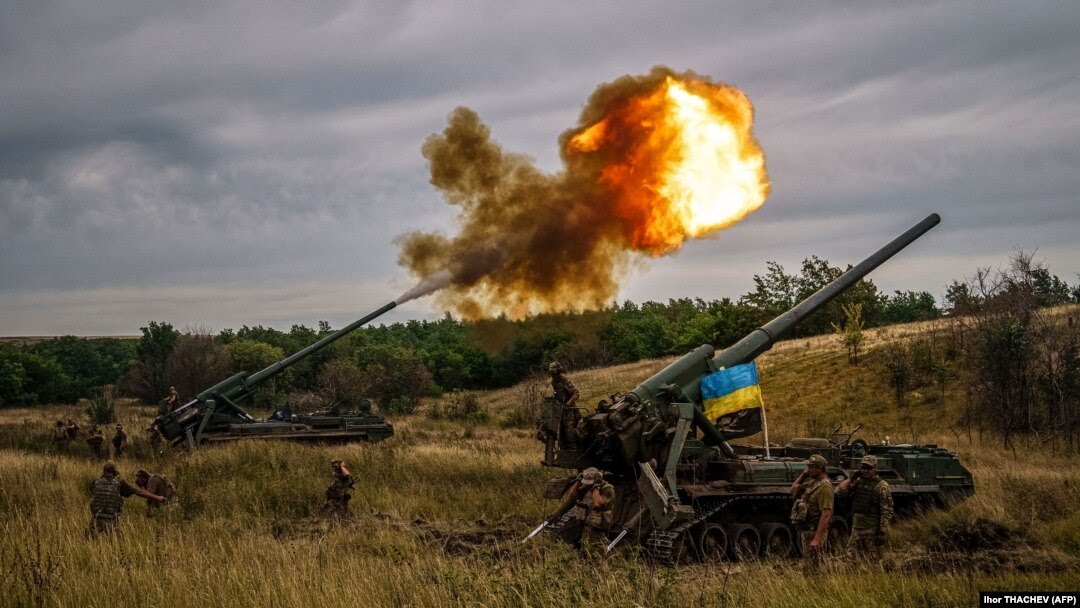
{"points": [[156, 159]]}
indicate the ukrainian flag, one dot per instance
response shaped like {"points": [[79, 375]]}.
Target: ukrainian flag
{"points": [[733, 399]]}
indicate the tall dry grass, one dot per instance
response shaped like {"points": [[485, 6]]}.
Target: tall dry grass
{"points": [[440, 509]]}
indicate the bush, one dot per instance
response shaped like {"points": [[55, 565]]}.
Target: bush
{"points": [[102, 408], [458, 405]]}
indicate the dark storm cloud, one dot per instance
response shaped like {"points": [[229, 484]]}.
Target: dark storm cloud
{"points": [[257, 152]]}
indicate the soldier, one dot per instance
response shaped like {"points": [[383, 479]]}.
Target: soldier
{"points": [[72, 430], [119, 442], [155, 439], [566, 394], [337, 493], [173, 400], [812, 511], [872, 509], [592, 499], [158, 484], [106, 499], [96, 440], [59, 433]]}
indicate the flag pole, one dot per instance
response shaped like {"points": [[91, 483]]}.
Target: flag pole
{"points": [[765, 429]]}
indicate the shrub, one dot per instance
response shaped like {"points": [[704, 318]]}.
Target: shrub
{"points": [[458, 405]]}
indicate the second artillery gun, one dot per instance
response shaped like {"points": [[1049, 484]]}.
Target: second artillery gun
{"points": [[215, 415], [685, 493]]}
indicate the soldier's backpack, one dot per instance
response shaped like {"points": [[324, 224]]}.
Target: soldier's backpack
{"points": [[800, 511]]}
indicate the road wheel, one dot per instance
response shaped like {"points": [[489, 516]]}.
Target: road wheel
{"points": [[776, 540], [743, 542], [683, 552], [712, 543]]}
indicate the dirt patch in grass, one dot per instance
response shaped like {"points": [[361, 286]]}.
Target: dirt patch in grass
{"points": [[468, 538], [978, 535]]}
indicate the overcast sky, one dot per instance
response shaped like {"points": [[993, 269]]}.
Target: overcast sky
{"points": [[215, 167]]}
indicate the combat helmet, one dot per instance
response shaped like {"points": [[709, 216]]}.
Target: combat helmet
{"points": [[817, 460], [591, 476], [556, 368]]}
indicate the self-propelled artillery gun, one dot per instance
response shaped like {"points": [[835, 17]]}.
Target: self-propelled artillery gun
{"points": [[684, 492], [216, 415]]}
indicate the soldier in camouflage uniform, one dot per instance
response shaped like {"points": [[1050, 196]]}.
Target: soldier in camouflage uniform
{"points": [[119, 442], [155, 439], [872, 509], [592, 500], [337, 493], [59, 433], [107, 496], [72, 429], [96, 440], [812, 512], [566, 394], [158, 484]]}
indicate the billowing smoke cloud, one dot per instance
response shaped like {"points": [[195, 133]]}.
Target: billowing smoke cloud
{"points": [[533, 242]]}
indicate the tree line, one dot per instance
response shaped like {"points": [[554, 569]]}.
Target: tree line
{"points": [[396, 365]]}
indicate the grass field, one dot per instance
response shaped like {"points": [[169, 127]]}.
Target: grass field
{"points": [[441, 507]]}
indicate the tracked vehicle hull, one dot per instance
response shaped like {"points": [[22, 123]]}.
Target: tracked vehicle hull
{"points": [[683, 492]]}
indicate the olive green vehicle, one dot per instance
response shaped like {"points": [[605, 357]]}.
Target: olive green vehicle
{"points": [[216, 415], [685, 493]]}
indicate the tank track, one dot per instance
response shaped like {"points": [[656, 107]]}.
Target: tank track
{"points": [[661, 544]]}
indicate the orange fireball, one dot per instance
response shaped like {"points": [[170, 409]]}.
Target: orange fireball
{"points": [[653, 161], [680, 161]]}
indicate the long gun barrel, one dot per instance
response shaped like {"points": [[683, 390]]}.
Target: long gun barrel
{"points": [[222, 398], [688, 370]]}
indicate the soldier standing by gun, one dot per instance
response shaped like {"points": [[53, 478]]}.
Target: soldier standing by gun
{"points": [[172, 401], [567, 395], [812, 511], [337, 493], [872, 508]]}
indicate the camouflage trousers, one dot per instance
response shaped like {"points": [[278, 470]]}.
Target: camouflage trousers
{"points": [[865, 543], [103, 525], [594, 541], [814, 559], [568, 434]]}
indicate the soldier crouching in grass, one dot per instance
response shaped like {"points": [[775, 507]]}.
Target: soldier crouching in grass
{"points": [[158, 484], [337, 493], [107, 500], [592, 499]]}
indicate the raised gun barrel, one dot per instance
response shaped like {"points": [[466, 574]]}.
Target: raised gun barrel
{"points": [[218, 406], [633, 428], [687, 371]]}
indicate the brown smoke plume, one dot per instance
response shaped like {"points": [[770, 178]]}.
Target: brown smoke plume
{"points": [[654, 160]]}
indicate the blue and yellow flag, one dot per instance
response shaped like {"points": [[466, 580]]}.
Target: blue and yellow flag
{"points": [[733, 399]]}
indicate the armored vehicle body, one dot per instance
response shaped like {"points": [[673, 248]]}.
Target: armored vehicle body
{"points": [[215, 415], [684, 492]]}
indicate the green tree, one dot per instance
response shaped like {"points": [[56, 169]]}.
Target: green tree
{"points": [[909, 306], [146, 379], [851, 332]]}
